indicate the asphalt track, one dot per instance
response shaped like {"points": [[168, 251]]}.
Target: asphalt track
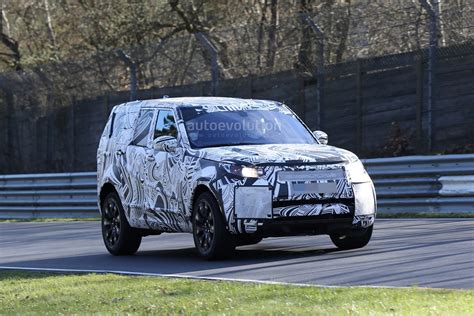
{"points": [[407, 252]]}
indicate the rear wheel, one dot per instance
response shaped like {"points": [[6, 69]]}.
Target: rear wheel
{"points": [[211, 238], [353, 239], [119, 237]]}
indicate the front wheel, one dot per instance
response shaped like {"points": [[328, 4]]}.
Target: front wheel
{"points": [[211, 238], [353, 239], [119, 237]]}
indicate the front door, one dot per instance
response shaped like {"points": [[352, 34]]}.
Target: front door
{"points": [[163, 176]]}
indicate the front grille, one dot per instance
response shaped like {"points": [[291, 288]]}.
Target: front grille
{"points": [[337, 208], [284, 203], [323, 218]]}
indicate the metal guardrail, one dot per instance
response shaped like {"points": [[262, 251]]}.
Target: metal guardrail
{"points": [[65, 195], [412, 184], [403, 184]]}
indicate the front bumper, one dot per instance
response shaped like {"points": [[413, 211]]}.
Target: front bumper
{"points": [[257, 211]]}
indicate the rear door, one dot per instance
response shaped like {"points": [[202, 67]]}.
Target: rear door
{"points": [[135, 167]]}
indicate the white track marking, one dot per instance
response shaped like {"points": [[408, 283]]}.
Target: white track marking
{"points": [[191, 277]]}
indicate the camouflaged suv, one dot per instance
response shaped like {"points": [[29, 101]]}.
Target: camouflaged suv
{"points": [[229, 171]]}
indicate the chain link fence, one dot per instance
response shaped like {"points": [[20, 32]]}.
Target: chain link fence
{"points": [[351, 71]]}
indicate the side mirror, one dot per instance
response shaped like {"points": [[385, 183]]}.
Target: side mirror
{"points": [[321, 136], [165, 143]]}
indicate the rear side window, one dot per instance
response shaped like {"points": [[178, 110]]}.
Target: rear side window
{"points": [[165, 124], [142, 128], [116, 123], [112, 124]]}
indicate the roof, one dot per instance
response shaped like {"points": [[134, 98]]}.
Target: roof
{"points": [[206, 102]]}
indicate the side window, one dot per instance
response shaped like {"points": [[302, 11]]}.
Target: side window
{"points": [[165, 124], [142, 128]]}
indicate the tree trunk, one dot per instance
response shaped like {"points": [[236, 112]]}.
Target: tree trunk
{"points": [[261, 27], [272, 34], [343, 32], [49, 26], [304, 59]]}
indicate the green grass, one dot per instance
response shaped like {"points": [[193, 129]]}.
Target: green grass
{"points": [[40, 293]]}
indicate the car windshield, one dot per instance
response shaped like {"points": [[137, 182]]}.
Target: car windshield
{"points": [[243, 127]]}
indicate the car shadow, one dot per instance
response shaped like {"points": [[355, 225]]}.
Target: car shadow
{"points": [[178, 261]]}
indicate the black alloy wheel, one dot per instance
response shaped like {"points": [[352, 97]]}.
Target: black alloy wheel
{"points": [[204, 225], [119, 237], [211, 238], [111, 223]]}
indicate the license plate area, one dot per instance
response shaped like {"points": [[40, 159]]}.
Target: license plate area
{"points": [[329, 187], [322, 175], [321, 183]]}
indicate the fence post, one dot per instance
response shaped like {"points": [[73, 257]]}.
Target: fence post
{"points": [[214, 64], [419, 102], [431, 9], [12, 152], [319, 65], [359, 112], [133, 73], [72, 126]]}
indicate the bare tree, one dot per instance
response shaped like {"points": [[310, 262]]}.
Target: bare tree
{"points": [[193, 23], [342, 29], [13, 57]]}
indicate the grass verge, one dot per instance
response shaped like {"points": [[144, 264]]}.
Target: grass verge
{"points": [[41, 293]]}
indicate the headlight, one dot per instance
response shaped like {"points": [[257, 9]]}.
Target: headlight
{"points": [[244, 171], [357, 173]]}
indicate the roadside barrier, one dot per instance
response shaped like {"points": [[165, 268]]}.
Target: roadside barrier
{"points": [[412, 184]]}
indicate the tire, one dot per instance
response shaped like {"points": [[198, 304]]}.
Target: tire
{"points": [[352, 240], [247, 240], [119, 238], [211, 238]]}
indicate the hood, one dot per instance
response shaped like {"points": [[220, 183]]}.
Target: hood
{"points": [[279, 153]]}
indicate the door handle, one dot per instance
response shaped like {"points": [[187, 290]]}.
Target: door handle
{"points": [[142, 180], [120, 152], [150, 158]]}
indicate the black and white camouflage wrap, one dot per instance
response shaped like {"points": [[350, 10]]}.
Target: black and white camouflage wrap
{"points": [[156, 187]]}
